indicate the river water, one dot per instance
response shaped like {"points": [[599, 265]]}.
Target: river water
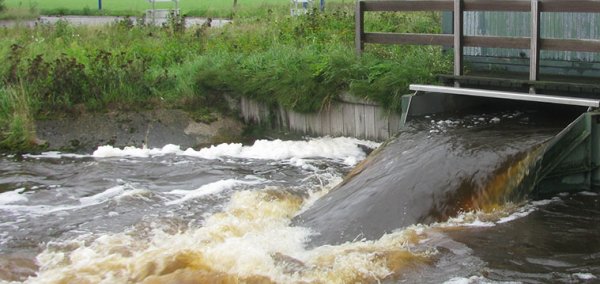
{"points": [[279, 211]]}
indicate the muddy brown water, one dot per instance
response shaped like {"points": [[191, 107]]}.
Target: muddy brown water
{"points": [[431, 206]]}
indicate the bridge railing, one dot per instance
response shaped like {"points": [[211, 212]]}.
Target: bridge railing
{"points": [[458, 40]]}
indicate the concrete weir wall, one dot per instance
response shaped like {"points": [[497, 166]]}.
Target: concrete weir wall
{"points": [[347, 116]]}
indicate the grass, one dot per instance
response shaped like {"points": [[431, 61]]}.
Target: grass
{"points": [[16, 120], [214, 8], [18, 14], [302, 63]]}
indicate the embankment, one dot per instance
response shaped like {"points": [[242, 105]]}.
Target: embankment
{"points": [[346, 116], [152, 128]]}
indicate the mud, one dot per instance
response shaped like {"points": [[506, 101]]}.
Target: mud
{"points": [[152, 128]]}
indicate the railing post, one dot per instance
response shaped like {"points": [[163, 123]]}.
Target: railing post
{"points": [[458, 38], [534, 65], [360, 27]]}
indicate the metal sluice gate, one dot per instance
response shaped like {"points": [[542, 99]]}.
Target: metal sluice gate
{"points": [[571, 160], [563, 100]]}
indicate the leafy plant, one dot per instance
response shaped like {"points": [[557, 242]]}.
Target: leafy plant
{"points": [[303, 63]]}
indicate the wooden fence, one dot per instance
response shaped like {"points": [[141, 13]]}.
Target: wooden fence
{"points": [[458, 40]]}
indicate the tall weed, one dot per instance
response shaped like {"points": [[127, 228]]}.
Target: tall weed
{"points": [[302, 63], [17, 128]]}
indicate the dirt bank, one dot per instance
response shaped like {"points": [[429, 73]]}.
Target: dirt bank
{"points": [[153, 128]]}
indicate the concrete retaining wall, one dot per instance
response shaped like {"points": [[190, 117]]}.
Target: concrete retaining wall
{"points": [[346, 117]]}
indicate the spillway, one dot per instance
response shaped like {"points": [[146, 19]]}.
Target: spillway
{"points": [[432, 170], [446, 200]]}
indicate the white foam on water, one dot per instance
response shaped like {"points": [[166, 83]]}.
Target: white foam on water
{"points": [[340, 148], [476, 280], [208, 189], [478, 223], [538, 203], [13, 196], [441, 126], [139, 193], [343, 149], [303, 164], [584, 276], [102, 196], [113, 193], [251, 239], [588, 193], [54, 155], [517, 215], [508, 213], [37, 209], [4, 238], [130, 151]]}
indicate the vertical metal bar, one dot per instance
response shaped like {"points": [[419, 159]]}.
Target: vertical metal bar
{"points": [[99, 4], [458, 38], [534, 65], [360, 27]]}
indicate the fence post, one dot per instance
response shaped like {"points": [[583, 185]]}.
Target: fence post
{"points": [[534, 65], [458, 38], [360, 27]]}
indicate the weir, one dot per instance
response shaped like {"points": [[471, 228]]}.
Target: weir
{"points": [[571, 161], [458, 153], [426, 175]]}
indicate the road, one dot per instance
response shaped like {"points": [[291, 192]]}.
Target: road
{"points": [[105, 20]]}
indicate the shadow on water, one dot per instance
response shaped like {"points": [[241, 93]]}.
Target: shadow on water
{"points": [[432, 170]]}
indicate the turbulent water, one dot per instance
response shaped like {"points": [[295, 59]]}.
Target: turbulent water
{"points": [[435, 205]]}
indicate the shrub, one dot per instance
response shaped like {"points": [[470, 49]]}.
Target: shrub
{"points": [[302, 63]]}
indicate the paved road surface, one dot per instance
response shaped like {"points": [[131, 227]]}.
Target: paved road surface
{"points": [[104, 20]]}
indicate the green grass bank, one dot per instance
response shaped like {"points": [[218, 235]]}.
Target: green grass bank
{"points": [[302, 63], [221, 8]]}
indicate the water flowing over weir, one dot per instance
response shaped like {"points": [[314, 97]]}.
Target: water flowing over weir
{"points": [[259, 213], [429, 172]]}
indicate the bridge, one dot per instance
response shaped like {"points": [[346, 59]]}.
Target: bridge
{"points": [[571, 161]]}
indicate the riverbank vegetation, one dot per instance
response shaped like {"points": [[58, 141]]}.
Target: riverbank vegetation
{"points": [[221, 8], [302, 63]]}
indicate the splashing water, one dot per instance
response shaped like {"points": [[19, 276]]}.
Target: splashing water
{"points": [[251, 240], [228, 215]]}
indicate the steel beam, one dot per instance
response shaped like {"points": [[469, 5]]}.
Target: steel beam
{"points": [[458, 37], [534, 52], [423, 39], [507, 95]]}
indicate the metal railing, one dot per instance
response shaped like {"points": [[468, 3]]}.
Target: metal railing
{"points": [[458, 40]]}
